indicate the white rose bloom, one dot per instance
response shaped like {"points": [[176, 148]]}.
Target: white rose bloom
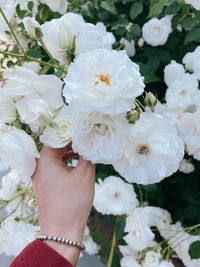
{"points": [[99, 137], [8, 7], [59, 6], [2, 2], [92, 36], [57, 134], [173, 114], [194, 3], [34, 111], [14, 236], [106, 81], [129, 46], [186, 166], [4, 167], [9, 184], [31, 26], [156, 31], [18, 149], [34, 66], [120, 196], [172, 72], [139, 235], [91, 247], [22, 82], [152, 259], [181, 93], [189, 131], [129, 261], [166, 264], [59, 34], [153, 150], [191, 61], [8, 112]]}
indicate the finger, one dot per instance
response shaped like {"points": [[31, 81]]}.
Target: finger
{"points": [[70, 155], [85, 164], [52, 153]]}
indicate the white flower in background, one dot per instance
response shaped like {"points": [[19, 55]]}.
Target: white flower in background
{"points": [[31, 26], [180, 242], [91, 247], [2, 2], [186, 166], [7, 109], [172, 72], [153, 150], [92, 36], [191, 61], [99, 137], [18, 149], [106, 81], [4, 167], [194, 3], [22, 82], [156, 31], [141, 42], [189, 131], [182, 93], [33, 66], [172, 114], [152, 259], [9, 184], [166, 264], [59, 34], [129, 46], [129, 261], [57, 134], [139, 235], [120, 196], [59, 6], [14, 236], [8, 7], [34, 111]]}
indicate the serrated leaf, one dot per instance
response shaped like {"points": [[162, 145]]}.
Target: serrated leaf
{"points": [[136, 10], [156, 7], [193, 35], [109, 6], [194, 250]]}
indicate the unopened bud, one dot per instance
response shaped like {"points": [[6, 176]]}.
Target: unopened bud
{"points": [[132, 116], [150, 99]]}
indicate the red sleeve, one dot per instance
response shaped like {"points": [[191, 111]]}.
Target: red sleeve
{"points": [[39, 254]]}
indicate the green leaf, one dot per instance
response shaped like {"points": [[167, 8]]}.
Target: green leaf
{"points": [[189, 23], [193, 35], [30, 5], [136, 10], [172, 9], [194, 250], [148, 74], [156, 7], [109, 6], [21, 13]]}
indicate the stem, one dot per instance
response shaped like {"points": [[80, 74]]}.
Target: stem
{"points": [[13, 33], [113, 245], [140, 194]]}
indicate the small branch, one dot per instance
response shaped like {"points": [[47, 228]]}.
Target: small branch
{"points": [[113, 245]]}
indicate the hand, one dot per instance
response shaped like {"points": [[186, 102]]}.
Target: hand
{"points": [[64, 197]]}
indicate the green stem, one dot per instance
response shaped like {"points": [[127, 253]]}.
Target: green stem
{"points": [[113, 245], [13, 33]]}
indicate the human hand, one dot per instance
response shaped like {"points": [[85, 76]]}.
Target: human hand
{"points": [[64, 197]]}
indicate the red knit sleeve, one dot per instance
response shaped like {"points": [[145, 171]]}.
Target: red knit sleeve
{"points": [[39, 254]]}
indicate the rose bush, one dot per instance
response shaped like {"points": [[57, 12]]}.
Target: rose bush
{"points": [[67, 52]]}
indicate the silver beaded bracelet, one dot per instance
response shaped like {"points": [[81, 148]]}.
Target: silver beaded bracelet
{"points": [[65, 241]]}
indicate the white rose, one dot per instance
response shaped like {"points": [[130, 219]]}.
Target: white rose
{"points": [[186, 166], [189, 131], [14, 236], [120, 196], [57, 134], [8, 7], [139, 235], [153, 150], [2, 2], [18, 149], [99, 137], [9, 185], [106, 81], [129, 261], [129, 46], [194, 3], [191, 61], [59, 6], [182, 93], [166, 264], [91, 247], [32, 27], [172, 72], [7, 109], [156, 31], [92, 36], [152, 259]]}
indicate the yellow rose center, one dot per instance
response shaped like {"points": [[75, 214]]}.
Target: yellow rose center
{"points": [[143, 149], [104, 79]]}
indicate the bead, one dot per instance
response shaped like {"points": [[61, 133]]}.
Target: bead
{"points": [[63, 240], [55, 238], [49, 237], [70, 242], [66, 241]]}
